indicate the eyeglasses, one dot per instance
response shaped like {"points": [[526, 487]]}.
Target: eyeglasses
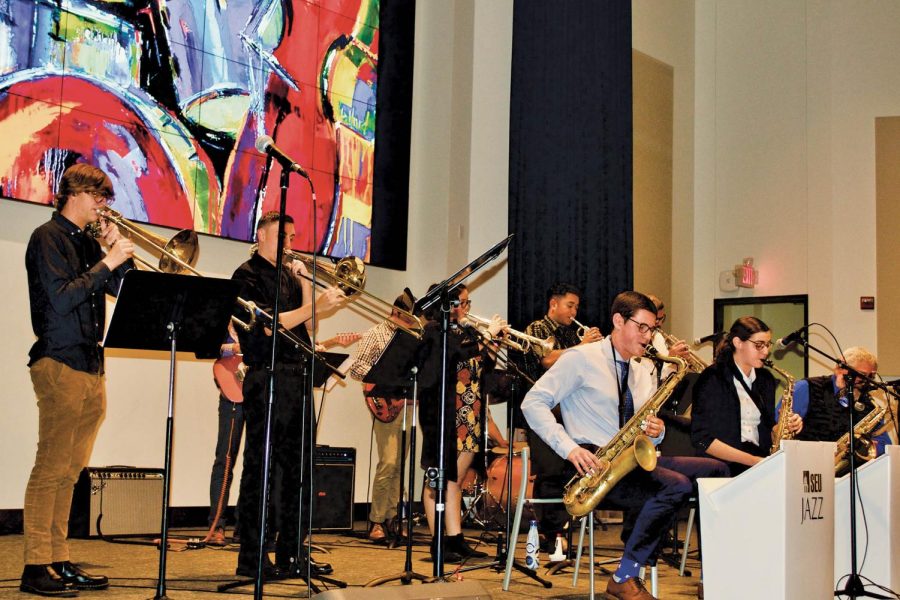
{"points": [[642, 327], [661, 320], [465, 303], [761, 344], [100, 196]]}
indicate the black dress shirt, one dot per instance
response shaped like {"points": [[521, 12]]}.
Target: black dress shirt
{"points": [[67, 283], [257, 278]]}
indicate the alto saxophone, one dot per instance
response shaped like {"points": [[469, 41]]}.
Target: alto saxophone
{"points": [[787, 408], [861, 433], [625, 451], [695, 364]]}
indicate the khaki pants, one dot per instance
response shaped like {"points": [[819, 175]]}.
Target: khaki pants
{"points": [[71, 406], [386, 483]]}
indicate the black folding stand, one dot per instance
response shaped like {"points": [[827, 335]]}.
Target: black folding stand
{"points": [[394, 374], [154, 311]]}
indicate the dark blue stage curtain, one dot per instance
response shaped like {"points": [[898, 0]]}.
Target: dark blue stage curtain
{"points": [[570, 180], [390, 217]]}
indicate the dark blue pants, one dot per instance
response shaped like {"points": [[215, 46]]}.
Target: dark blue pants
{"points": [[650, 500], [228, 444]]}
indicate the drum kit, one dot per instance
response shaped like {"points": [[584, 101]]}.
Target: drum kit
{"points": [[485, 485]]}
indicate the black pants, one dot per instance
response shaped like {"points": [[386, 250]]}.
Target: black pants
{"points": [[291, 439]]}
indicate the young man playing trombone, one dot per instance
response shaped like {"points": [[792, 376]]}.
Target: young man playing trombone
{"points": [[260, 286], [68, 279]]}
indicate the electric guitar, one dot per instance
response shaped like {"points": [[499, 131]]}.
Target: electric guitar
{"points": [[229, 371], [383, 409]]}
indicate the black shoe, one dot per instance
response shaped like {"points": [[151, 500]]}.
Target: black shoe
{"points": [[457, 543], [77, 578], [44, 581], [296, 569], [270, 571], [451, 556]]}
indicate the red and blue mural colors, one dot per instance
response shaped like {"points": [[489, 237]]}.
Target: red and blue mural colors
{"points": [[169, 97]]}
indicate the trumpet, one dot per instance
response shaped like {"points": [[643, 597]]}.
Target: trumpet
{"points": [[582, 329], [694, 362], [514, 340]]}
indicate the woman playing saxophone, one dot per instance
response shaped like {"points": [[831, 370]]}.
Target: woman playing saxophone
{"points": [[733, 415]]}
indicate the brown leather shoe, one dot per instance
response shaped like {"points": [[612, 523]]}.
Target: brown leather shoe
{"points": [[377, 534], [217, 538], [630, 589]]}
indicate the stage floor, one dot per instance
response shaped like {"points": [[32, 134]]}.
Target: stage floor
{"points": [[195, 574]]}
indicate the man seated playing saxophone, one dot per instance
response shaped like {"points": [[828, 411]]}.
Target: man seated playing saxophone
{"points": [[598, 388], [822, 402]]}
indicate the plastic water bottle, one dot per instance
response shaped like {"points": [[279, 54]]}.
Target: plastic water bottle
{"points": [[531, 547]]}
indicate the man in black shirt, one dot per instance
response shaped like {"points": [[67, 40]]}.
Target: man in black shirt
{"points": [[290, 430], [68, 278], [557, 325]]}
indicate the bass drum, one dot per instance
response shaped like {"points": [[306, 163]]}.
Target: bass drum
{"points": [[496, 482]]}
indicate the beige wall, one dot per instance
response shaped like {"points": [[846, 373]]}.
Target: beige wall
{"points": [[652, 83], [887, 213], [780, 128]]}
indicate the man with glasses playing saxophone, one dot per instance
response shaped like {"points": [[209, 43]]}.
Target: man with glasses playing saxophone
{"points": [[598, 388], [822, 401]]}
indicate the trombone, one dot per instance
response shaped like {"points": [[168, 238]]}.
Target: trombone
{"points": [[178, 256], [514, 340], [349, 275]]}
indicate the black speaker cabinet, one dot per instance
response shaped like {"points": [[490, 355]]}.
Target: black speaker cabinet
{"points": [[333, 483], [129, 499]]}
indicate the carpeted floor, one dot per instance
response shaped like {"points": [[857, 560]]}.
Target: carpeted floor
{"points": [[196, 574]]}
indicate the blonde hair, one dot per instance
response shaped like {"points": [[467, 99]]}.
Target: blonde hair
{"points": [[857, 354]]}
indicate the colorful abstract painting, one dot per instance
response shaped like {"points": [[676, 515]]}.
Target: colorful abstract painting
{"points": [[170, 97]]}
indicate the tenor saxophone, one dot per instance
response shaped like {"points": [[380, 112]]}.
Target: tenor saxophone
{"points": [[787, 408], [861, 433], [625, 451]]}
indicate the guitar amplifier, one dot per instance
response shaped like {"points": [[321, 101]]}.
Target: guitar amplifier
{"points": [[333, 486], [129, 500]]}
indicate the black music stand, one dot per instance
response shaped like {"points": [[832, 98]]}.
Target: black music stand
{"points": [[159, 311], [440, 295], [394, 374]]}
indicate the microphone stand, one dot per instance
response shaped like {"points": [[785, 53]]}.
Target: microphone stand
{"points": [[854, 587]]}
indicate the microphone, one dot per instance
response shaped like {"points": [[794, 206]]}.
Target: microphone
{"points": [[708, 338], [791, 338], [266, 145]]}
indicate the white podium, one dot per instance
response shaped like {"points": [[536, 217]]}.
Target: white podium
{"points": [[879, 493], [769, 533]]}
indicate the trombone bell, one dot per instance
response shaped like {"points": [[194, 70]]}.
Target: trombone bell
{"points": [[185, 246]]}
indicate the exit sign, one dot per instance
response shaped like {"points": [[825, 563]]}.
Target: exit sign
{"points": [[745, 275]]}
